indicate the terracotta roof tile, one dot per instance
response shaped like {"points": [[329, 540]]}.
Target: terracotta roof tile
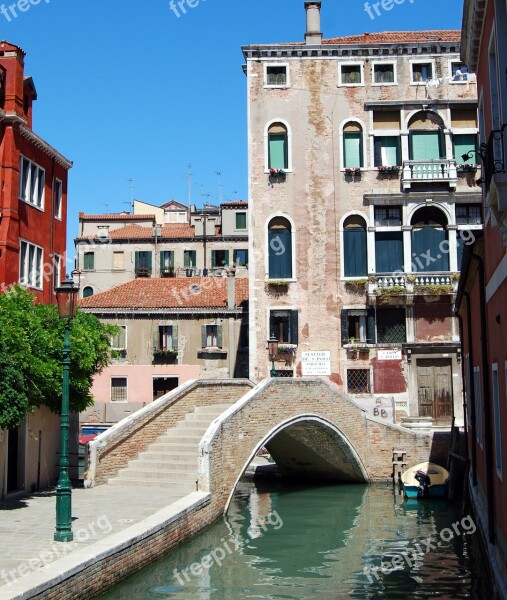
{"points": [[178, 230], [398, 37], [116, 217], [184, 292], [240, 203], [140, 232]]}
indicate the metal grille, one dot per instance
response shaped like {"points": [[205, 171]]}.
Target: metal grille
{"points": [[119, 389], [358, 381], [391, 326], [285, 373]]}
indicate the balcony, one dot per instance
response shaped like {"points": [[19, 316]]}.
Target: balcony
{"points": [[434, 171], [386, 286], [143, 272]]}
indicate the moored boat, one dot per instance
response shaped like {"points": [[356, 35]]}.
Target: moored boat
{"points": [[425, 480]]}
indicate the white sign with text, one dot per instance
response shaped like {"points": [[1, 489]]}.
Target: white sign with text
{"points": [[394, 354], [317, 362]]}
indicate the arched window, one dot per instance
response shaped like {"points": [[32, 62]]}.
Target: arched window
{"points": [[278, 147], [87, 291], [430, 244], [354, 247], [280, 248], [352, 145]]}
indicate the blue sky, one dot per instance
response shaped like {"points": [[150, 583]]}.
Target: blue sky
{"points": [[128, 90]]}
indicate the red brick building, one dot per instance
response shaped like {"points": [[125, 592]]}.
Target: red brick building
{"points": [[33, 188], [482, 292]]}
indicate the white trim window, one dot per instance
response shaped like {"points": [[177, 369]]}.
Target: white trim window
{"points": [[384, 73], [58, 199], [119, 339], [495, 384], [57, 270], [478, 405], [119, 389], [276, 75], [422, 71], [31, 183], [458, 72], [351, 74], [30, 265]]}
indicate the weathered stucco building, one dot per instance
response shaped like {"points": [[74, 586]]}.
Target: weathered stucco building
{"points": [[360, 206]]}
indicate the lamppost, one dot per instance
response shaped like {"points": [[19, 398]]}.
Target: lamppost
{"points": [[273, 351], [66, 296]]}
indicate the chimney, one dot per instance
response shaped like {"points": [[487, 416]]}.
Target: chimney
{"points": [[231, 290], [313, 35]]}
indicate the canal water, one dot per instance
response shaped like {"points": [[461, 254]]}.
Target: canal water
{"points": [[290, 542]]}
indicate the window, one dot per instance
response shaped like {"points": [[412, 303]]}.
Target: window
{"points": [[164, 385], [276, 76], [468, 214], [280, 248], [391, 326], [351, 74], [283, 325], [211, 336], [166, 261], [219, 258], [241, 258], [57, 270], [142, 260], [430, 244], [387, 216], [358, 326], [422, 72], [87, 291], [478, 405], [58, 199], [30, 265], [459, 72], [118, 389], [241, 220], [352, 145], [165, 338], [497, 417], [384, 73], [358, 381], [118, 261], [387, 151], [278, 147], [189, 258], [31, 183], [354, 247], [426, 145], [89, 261], [389, 252], [463, 144], [119, 340]]}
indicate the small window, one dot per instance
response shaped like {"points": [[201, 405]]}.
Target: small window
{"points": [[384, 73], [387, 151], [118, 261], [280, 248], [352, 146], [57, 270], [355, 247], [241, 258], [31, 183], [143, 263], [278, 147], [468, 214], [387, 216], [89, 261], [357, 326], [167, 263], [189, 258], [358, 381], [351, 74], [283, 325], [391, 326], [119, 339], [422, 72], [87, 291], [30, 265], [241, 220], [459, 72], [276, 76], [165, 338], [219, 258], [211, 336], [58, 199], [118, 389], [163, 385]]}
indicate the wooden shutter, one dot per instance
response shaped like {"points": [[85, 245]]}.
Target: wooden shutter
{"points": [[463, 143], [226, 258], [389, 252], [428, 239], [345, 327], [352, 150], [136, 260], [277, 150], [371, 334], [175, 337], [280, 254], [213, 258], [220, 336], [148, 261], [294, 327], [203, 336], [156, 338], [378, 151], [425, 145], [354, 248]]}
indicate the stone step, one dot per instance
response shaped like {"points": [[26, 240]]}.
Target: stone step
{"points": [[211, 409], [179, 456], [175, 487], [185, 446], [154, 474], [155, 465]]}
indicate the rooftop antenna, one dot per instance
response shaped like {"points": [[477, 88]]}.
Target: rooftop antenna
{"points": [[220, 185], [132, 188], [189, 185]]}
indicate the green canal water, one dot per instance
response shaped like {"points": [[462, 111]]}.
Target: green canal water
{"points": [[340, 541]]}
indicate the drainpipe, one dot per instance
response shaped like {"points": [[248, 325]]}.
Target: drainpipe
{"points": [[486, 402], [471, 391], [231, 304]]}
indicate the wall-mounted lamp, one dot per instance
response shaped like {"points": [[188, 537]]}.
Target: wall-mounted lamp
{"points": [[272, 351]]}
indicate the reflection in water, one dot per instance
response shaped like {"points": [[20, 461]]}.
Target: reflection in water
{"points": [[321, 542]]}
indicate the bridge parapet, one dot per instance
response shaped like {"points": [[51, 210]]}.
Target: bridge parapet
{"points": [[112, 450]]}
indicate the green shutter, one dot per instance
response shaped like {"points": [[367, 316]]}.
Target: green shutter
{"points": [[203, 336], [425, 145], [213, 258], [241, 220], [148, 261], [371, 334], [136, 260], [389, 153], [193, 255], [426, 252], [220, 336], [175, 338], [352, 150], [186, 258], [226, 256], [463, 143], [389, 252], [294, 333], [354, 248], [89, 260], [156, 338], [280, 254], [345, 327], [277, 151]]}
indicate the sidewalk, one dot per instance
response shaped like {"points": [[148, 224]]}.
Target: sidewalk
{"points": [[27, 526]]}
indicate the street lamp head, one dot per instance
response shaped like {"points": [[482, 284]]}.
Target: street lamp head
{"points": [[272, 347], [66, 296], [467, 155]]}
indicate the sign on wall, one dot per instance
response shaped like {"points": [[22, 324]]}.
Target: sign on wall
{"points": [[394, 354], [316, 362]]}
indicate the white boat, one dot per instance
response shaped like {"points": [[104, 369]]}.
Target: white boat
{"points": [[425, 480]]}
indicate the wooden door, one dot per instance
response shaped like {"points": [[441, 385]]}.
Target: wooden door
{"points": [[434, 388]]}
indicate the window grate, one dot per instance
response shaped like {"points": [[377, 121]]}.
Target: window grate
{"points": [[119, 389], [391, 326], [285, 373], [358, 381]]}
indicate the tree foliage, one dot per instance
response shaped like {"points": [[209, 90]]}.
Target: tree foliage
{"points": [[31, 343]]}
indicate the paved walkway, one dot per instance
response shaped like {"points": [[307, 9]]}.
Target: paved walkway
{"points": [[27, 525]]}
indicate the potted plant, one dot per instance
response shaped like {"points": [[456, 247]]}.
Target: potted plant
{"points": [[352, 171], [276, 172], [388, 169], [466, 168]]}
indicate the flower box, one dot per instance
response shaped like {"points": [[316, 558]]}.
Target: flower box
{"points": [[352, 170], [277, 172], [389, 169], [287, 349], [467, 168]]}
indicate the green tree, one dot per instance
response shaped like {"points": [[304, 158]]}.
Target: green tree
{"points": [[31, 342]]}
